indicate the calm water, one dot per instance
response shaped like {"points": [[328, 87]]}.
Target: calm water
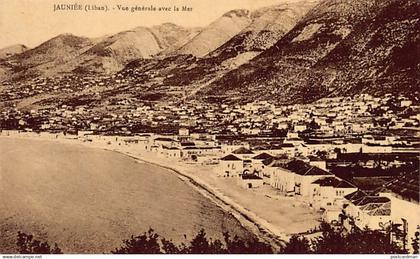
{"points": [[88, 200]]}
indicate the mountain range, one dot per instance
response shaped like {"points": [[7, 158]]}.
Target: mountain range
{"points": [[340, 47], [294, 52]]}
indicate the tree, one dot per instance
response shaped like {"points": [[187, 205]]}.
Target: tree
{"points": [[370, 242], [151, 243], [332, 241], [169, 247], [201, 245], [335, 241], [28, 245], [147, 243], [239, 246], [297, 245], [415, 243], [364, 241]]}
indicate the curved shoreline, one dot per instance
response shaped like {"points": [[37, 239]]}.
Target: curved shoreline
{"points": [[250, 221], [234, 209]]}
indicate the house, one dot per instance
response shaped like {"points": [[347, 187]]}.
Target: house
{"points": [[364, 211], [229, 148], [183, 132], [243, 153], [281, 179], [403, 193], [172, 152], [249, 181], [295, 177], [230, 166], [304, 176], [289, 148], [163, 141], [299, 127], [329, 192], [82, 133], [318, 162], [257, 162], [9, 132]]}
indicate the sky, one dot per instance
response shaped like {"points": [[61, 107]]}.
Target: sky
{"points": [[31, 22]]}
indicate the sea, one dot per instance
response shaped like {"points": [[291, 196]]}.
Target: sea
{"points": [[88, 200]]}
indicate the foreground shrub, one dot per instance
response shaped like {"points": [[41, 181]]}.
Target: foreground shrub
{"points": [[28, 245]]}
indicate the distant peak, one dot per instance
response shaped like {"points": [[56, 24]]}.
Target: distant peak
{"points": [[16, 46], [67, 34], [169, 24], [238, 13]]}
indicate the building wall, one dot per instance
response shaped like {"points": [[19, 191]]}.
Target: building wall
{"points": [[319, 164], [305, 182], [258, 166], [230, 168], [372, 222], [250, 183], [362, 219], [403, 209], [324, 197], [282, 179]]}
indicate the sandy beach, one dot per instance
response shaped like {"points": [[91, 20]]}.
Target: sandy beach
{"points": [[265, 212], [270, 215]]}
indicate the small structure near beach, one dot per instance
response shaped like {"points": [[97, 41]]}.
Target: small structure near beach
{"points": [[249, 181]]}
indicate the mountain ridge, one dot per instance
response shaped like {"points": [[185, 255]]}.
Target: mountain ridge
{"points": [[291, 70], [287, 53]]}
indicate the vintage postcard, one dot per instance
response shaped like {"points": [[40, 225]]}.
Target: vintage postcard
{"points": [[209, 127]]}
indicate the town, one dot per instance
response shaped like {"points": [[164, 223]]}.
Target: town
{"points": [[354, 160]]}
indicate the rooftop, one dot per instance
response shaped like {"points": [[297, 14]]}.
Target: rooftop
{"points": [[355, 195], [406, 185], [230, 158], [251, 177], [370, 199], [377, 209], [262, 156], [242, 151], [334, 182], [302, 168]]}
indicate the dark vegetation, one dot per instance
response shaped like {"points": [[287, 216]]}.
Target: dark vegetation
{"points": [[330, 241], [28, 245]]}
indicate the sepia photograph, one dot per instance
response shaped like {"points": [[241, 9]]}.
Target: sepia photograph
{"points": [[209, 127]]}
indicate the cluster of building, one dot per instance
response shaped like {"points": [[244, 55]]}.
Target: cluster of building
{"points": [[50, 85], [339, 117], [318, 153]]}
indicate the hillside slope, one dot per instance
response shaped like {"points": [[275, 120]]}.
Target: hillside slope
{"points": [[339, 47], [47, 56], [67, 53], [267, 26], [216, 34], [12, 50], [114, 52]]}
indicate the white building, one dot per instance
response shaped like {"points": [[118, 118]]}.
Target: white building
{"points": [[363, 211], [296, 177], [230, 166], [329, 192], [403, 193], [249, 181], [257, 162], [243, 153]]}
